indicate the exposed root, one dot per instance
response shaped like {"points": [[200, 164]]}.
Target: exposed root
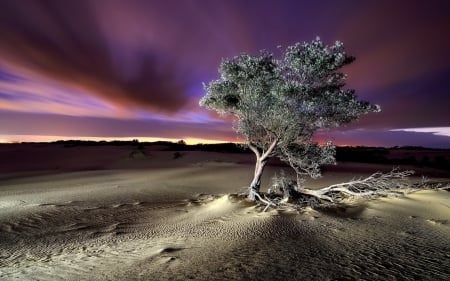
{"points": [[264, 200], [375, 186]]}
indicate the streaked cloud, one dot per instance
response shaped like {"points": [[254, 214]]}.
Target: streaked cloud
{"points": [[19, 123], [134, 68], [438, 131], [64, 41], [384, 138]]}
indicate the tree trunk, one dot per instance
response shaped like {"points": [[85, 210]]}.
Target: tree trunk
{"points": [[256, 182], [261, 161]]}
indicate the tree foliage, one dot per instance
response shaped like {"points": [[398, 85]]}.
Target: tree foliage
{"points": [[278, 104]]}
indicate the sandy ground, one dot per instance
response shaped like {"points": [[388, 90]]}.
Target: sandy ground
{"points": [[155, 219]]}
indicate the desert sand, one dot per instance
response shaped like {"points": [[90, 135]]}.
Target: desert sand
{"points": [[89, 214]]}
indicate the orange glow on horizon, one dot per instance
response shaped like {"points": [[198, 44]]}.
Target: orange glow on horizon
{"points": [[31, 138], [189, 141]]}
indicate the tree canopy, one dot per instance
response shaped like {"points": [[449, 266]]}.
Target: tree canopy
{"points": [[278, 104]]}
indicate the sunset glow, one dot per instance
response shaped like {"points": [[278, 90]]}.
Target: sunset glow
{"points": [[32, 138], [134, 69]]}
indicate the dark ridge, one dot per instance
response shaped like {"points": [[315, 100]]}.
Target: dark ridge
{"points": [[407, 155], [168, 146]]}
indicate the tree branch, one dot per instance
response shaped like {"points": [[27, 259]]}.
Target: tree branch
{"points": [[254, 149], [270, 149]]}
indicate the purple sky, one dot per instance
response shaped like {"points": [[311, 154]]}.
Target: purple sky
{"points": [[134, 69]]}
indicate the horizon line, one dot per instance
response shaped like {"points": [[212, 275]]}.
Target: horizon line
{"points": [[208, 142]]}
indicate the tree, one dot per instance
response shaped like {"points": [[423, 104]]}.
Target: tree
{"points": [[278, 104]]}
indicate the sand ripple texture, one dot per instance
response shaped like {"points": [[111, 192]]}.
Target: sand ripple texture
{"points": [[141, 226]]}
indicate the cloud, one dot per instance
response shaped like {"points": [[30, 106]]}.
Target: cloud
{"points": [[438, 131], [385, 138], [27, 95], [400, 61], [145, 59], [395, 41], [64, 41], [18, 123]]}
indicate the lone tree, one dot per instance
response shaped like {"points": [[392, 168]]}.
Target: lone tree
{"points": [[278, 104]]}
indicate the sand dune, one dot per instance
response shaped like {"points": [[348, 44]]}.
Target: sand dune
{"points": [[178, 223]]}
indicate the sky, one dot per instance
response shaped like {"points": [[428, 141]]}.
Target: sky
{"points": [[111, 69]]}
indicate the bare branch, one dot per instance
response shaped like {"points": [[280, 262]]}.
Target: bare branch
{"points": [[393, 183], [377, 183]]}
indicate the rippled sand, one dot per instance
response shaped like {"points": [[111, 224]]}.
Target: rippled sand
{"points": [[179, 224]]}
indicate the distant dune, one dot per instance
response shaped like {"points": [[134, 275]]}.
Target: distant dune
{"points": [[123, 212], [84, 155]]}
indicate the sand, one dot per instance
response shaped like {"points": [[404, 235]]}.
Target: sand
{"points": [[162, 219]]}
